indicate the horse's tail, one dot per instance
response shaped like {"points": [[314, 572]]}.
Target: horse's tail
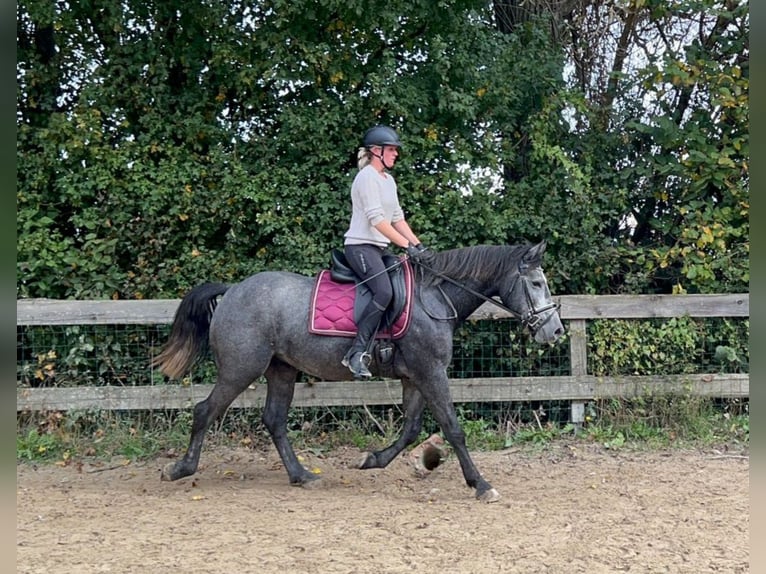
{"points": [[190, 330]]}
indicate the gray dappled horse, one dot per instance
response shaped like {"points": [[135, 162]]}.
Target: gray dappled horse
{"points": [[260, 327]]}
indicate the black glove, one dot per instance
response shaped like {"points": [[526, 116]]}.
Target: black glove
{"points": [[419, 253]]}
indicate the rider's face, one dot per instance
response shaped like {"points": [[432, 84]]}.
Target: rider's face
{"points": [[390, 153]]}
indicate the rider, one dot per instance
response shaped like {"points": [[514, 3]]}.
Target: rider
{"points": [[377, 220]]}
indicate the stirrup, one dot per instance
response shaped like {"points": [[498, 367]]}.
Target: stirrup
{"points": [[357, 364]]}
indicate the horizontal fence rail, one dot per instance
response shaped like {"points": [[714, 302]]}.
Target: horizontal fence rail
{"points": [[143, 312], [577, 387], [388, 392]]}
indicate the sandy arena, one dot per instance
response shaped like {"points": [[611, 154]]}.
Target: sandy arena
{"points": [[570, 508]]}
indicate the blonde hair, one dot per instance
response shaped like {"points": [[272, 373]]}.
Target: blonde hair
{"points": [[363, 158]]}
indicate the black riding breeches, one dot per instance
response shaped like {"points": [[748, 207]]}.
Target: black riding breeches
{"points": [[367, 261]]}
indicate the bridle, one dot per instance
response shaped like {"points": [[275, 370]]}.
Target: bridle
{"points": [[533, 318]]}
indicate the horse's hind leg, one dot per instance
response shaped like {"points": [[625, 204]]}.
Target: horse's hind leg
{"points": [[205, 413], [413, 404], [280, 379]]}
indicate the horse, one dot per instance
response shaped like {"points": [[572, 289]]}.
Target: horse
{"points": [[258, 327]]}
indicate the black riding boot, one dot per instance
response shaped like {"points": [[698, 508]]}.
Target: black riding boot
{"points": [[357, 357]]}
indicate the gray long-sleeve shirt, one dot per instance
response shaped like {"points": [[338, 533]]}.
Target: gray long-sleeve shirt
{"points": [[374, 199]]}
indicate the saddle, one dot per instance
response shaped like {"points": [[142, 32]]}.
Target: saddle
{"points": [[339, 298]]}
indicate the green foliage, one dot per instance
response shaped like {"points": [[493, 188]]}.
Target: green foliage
{"points": [[34, 446], [89, 355], [66, 437], [161, 145], [539, 436], [692, 159], [481, 433], [669, 346], [646, 422], [499, 348], [634, 348], [664, 420]]}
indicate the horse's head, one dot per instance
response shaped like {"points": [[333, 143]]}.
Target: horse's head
{"points": [[531, 300]]}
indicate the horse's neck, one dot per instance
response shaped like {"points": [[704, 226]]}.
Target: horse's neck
{"points": [[463, 300]]}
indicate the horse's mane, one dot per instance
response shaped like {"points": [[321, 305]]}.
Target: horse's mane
{"points": [[480, 262]]}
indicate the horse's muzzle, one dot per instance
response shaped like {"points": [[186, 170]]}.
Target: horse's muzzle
{"points": [[545, 324]]}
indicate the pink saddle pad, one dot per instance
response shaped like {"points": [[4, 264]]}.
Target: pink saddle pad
{"points": [[332, 308]]}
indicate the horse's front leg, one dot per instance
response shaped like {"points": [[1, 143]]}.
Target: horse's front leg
{"points": [[413, 404], [280, 379], [437, 395]]}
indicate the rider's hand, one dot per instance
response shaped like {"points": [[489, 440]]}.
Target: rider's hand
{"points": [[413, 252], [419, 253]]}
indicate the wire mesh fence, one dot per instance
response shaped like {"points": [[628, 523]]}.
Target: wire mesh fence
{"points": [[119, 355]]}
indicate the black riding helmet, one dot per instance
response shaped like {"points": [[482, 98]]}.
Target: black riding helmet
{"points": [[380, 136]]}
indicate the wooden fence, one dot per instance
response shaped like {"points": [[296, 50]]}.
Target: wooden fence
{"points": [[578, 387]]}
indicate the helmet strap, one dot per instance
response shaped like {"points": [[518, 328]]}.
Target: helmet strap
{"points": [[380, 157]]}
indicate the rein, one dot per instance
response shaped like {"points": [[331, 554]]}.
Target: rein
{"points": [[531, 319], [386, 270]]}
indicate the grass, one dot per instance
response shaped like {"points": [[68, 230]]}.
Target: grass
{"points": [[651, 422]]}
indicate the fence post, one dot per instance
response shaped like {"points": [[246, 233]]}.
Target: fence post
{"points": [[579, 360]]}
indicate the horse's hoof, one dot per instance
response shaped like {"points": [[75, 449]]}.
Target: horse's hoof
{"points": [[308, 481], [366, 461], [490, 495], [313, 484], [167, 472]]}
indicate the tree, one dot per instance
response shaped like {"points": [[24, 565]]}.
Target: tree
{"points": [[641, 160], [165, 143]]}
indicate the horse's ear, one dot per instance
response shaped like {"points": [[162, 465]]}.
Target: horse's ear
{"points": [[535, 252]]}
